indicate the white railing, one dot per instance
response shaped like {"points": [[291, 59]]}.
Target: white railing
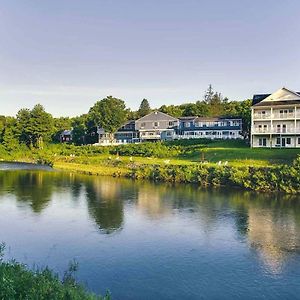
{"points": [[276, 130], [284, 116], [276, 116], [261, 116]]}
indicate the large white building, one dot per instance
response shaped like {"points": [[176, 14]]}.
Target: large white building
{"points": [[275, 120]]}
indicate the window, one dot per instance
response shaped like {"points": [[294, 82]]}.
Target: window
{"points": [[156, 124], [278, 128], [187, 124], [171, 123], [278, 141], [143, 125], [262, 142], [298, 140], [288, 141]]}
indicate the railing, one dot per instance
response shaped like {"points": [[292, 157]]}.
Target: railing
{"points": [[276, 116], [276, 130], [262, 116], [284, 116]]}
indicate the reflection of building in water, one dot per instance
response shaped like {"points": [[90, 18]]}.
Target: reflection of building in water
{"points": [[273, 235], [150, 201], [105, 203]]}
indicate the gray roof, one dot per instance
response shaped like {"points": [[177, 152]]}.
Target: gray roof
{"points": [[156, 116]]}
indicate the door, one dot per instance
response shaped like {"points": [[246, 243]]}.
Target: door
{"points": [[283, 142], [264, 142]]}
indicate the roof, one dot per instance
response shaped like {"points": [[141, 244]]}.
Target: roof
{"points": [[66, 132], [208, 119], [188, 118], [157, 116], [282, 96]]}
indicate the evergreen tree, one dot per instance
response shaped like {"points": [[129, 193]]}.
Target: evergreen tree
{"points": [[209, 93], [144, 109]]}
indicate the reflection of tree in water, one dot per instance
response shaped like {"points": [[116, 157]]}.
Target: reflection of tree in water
{"points": [[33, 187], [105, 203], [273, 227]]}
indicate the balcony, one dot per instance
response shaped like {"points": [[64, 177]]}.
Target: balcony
{"points": [[276, 130], [283, 116], [279, 116], [262, 116]]}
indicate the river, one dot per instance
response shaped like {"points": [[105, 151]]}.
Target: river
{"points": [[142, 240]]}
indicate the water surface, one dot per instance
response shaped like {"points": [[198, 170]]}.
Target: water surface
{"points": [[153, 241]]}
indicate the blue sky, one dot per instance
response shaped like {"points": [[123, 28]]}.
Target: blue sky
{"points": [[67, 54]]}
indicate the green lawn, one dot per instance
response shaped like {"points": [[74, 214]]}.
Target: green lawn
{"points": [[238, 153]]}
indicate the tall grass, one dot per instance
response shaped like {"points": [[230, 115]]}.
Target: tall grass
{"points": [[18, 282]]}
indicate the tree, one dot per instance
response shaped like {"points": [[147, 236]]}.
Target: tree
{"points": [[209, 93], [41, 125], [144, 109], [109, 113], [34, 127], [60, 124], [23, 128], [244, 111], [172, 110], [79, 129], [9, 139], [2, 127]]}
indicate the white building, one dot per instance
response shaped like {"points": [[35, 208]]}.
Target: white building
{"points": [[275, 120]]}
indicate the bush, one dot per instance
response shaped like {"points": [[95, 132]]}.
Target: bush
{"points": [[17, 282]]}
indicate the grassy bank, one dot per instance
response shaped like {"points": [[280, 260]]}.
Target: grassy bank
{"points": [[18, 282], [205, 162], [281, 178]]}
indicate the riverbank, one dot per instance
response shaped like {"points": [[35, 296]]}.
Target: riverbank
{"points": [[207, 163], [284, 178]]}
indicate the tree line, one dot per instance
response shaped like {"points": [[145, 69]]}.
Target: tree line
{"points": [[35, 127]]}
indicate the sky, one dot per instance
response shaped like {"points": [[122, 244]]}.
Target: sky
{"points": [[68, 54]]}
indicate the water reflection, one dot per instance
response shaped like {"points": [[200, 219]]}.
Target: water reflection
{"points": [[269, 224], [105, 205]]}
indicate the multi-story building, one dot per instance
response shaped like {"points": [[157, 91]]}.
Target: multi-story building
{"points": [[160, 126], [211, 128], [152, 127], [275, 119]]}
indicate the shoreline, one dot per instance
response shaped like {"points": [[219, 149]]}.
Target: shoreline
{"points": [[281, 178]]}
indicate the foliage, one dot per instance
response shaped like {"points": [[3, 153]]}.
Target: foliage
{"points": [[144, 108], [109, 113], [79, 129], [34, 127], [18, 282], [60, 124]]}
